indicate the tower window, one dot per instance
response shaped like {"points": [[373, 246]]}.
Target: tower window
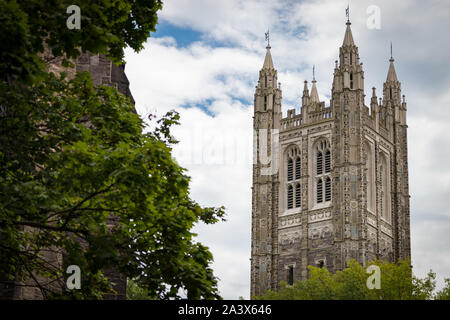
{"points": [[390, 93], [319, 191], [265, 103], [327, 161], [328, 189], [319, 163], [351, 58], [290, 170], [298, 197], [293, 175], [298, 168], [265, 81], [351, 80], [323, 171], [290, 197], [291, 275]]}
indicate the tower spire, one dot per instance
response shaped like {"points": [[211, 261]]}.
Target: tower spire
{"points": [[268, 63], [314, 93], [392, 75], [305, 89], [348, 38]]}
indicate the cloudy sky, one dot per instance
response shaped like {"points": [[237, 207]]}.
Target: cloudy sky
{"points": [[203, 61]]}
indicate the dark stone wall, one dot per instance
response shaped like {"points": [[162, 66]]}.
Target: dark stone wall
{"points": [[6, 288], [104, 72]]}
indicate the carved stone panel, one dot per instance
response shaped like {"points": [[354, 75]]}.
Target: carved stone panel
{"points": [[289, 221]]}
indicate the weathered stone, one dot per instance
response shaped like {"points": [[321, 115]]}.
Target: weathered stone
{"points": [[358, 206]]}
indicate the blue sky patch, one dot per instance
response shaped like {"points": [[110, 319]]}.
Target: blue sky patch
{"points": [[183, 36]]}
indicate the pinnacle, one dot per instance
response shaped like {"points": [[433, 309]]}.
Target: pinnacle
{"points": [[268, 63], [305, 89], [392, 75], [348, 38], [314, 93]]}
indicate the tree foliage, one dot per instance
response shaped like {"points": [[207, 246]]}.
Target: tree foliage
{"points": [[136, 292], [73, 155], [107, 26], [444, 294], [78, 175], [397, 283]]}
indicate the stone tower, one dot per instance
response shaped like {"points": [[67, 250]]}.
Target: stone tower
{"points": [[331, 183]]}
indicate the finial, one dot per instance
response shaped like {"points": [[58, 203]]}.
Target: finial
{"points": [[336, 64], [267, 34], [404, 100], [347, 13], [314, 73], [373, 92], [392, 59]]}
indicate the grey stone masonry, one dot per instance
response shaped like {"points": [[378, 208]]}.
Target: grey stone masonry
{"points": [[330, 184]]}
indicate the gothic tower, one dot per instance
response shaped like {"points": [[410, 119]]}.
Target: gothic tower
{"points": [[266, 125], [329, 184]]}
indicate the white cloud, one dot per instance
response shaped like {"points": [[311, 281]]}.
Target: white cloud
{"points": [[173, 77]]}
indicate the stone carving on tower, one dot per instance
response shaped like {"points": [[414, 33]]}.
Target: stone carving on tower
{"points": [[330, 184]]}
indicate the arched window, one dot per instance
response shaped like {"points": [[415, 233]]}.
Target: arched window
{"points": [[290, 170], [319, 163], [265, 103], [323, 151], [298, 196], [327, 189], [327, 161], [351, 57], [323, 171], [293, 176], [298, 168], [319, 191], [290, 197], [351, 80]]}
